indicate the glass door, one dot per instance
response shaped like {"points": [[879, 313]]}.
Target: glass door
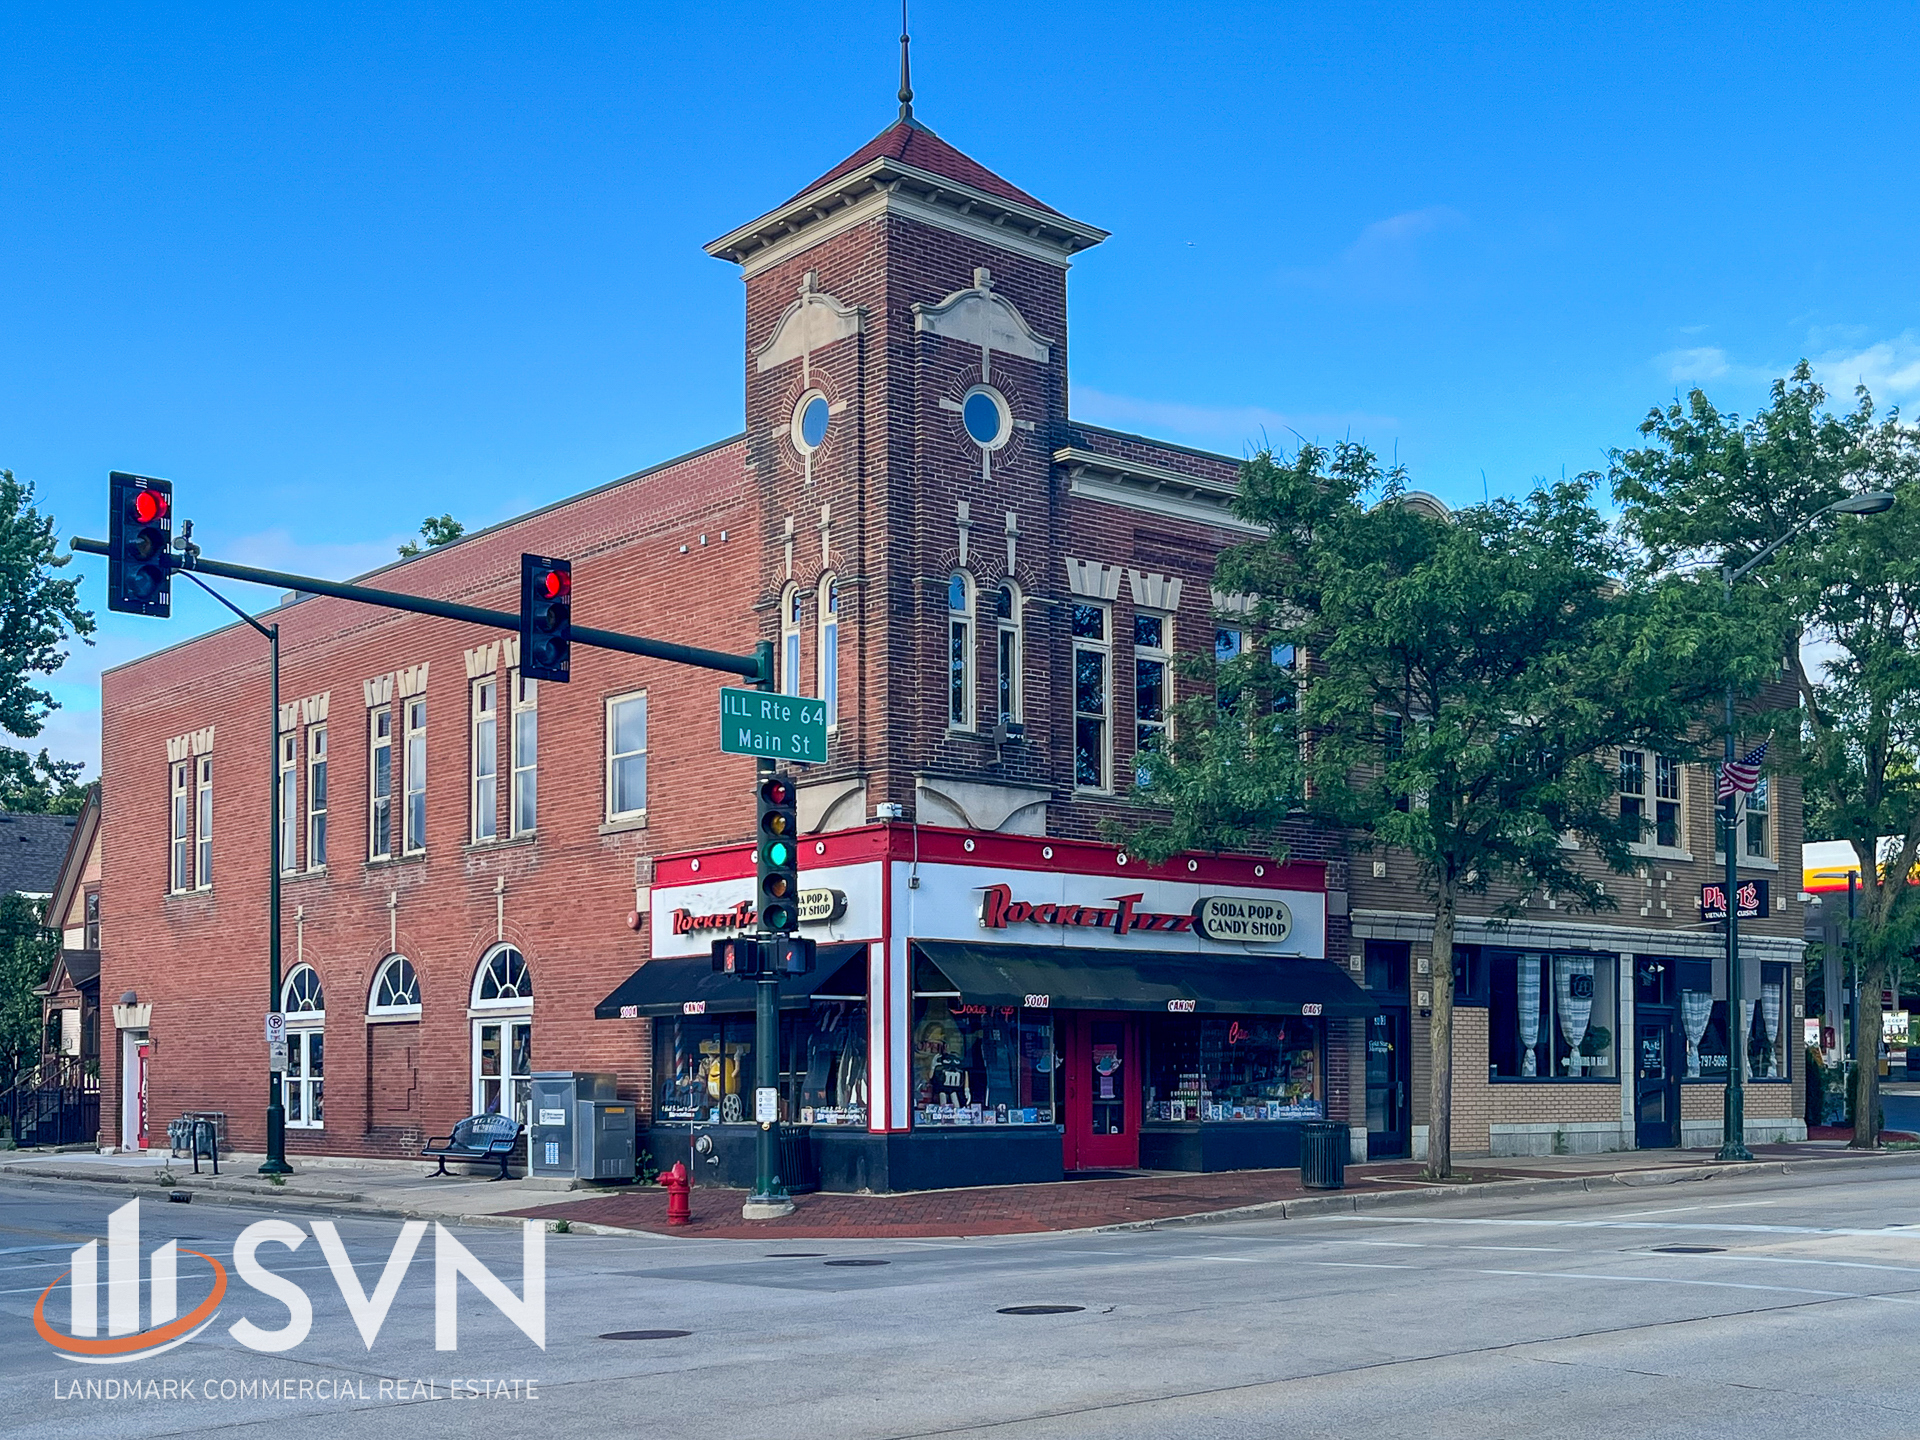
{"points": [[1387, 1076], [1103, 1094], [502, 1067], [1656, 1080]]}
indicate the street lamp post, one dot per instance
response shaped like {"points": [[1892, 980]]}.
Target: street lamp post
{"points": [[1733, 1123]]}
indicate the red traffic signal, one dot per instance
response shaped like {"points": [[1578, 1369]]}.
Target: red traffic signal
{"points": [[546, 618], [139, 544]]}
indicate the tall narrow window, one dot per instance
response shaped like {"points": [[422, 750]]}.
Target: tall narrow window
{"points": [[203, 823], [626, 756], [1228, 645], [1650, 792], [92, 936], [289, 802], [1152, 652], [1759, 844], [830, 648], [486, 760], [416, 776], [526, 752], [1283, 658], [792, 611], [960, 651], [1666, 802], [1091, 736], [180, 867], [1007, 654], [316, 797], [380, 785]]}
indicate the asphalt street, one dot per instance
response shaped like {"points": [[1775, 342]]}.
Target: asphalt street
{"points": [[1743, 1306]]}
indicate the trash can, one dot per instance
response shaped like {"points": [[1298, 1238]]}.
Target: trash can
{"points": [[1323, 1155], [794, 1157]]}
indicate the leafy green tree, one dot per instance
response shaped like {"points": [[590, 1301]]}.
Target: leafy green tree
{"points": [[1711, 488], [27, 953], [1464, 681], [40, 784], [39, 611], [435, 530]]}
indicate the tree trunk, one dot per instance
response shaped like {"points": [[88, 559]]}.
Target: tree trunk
{"points": [[1440, 1038], [1866, 1057]]}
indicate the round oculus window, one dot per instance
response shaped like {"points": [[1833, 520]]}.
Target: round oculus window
{"points": [[810, 420], [984, 413]]}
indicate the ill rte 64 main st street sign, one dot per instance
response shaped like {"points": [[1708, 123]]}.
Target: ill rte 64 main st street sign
{"points": [[774, 727]]}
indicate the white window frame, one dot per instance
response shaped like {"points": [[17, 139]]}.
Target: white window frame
{"points": [[792, 615], [289, 790], [1158, 654], [1102, 648], [506, 1015], [613, 757], [1758, 807], [1009, 656], [203, 822], [180, 828], [961, 661], [483, 791], [1661, 780], [414, 776], [299, 1086], [826, 606], [525, 754], [317, 797], [377, 1009], [379, 766]]}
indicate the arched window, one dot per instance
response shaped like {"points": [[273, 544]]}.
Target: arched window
{"points": [[1008, 653], [792, 612], [302, 1083], [502, 1034], [829, 648], [960, 651], [396, 989]]}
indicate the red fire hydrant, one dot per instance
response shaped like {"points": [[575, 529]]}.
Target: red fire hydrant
{"points": [[679, 1184]]}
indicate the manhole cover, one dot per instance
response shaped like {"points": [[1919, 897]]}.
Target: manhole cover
{"points": [[859, 1262], [796, 1255], [1038, 1309], [645, 1334], [1689, 1249]]}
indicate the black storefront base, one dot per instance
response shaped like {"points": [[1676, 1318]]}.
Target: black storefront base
{"points": [[849, 1160], [1222, 1145]]}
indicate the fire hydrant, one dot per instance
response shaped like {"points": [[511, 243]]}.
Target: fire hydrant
{"points": [[679, 1184]]}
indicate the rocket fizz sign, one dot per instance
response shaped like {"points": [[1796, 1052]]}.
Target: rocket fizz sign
{"points": [[1228, 918]]}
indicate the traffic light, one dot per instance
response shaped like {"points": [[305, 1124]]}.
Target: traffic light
{"points": [[546, 618], [139, 544], [742, 955], [793, 955], [777, 854]]}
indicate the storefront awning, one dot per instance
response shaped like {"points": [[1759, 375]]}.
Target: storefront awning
{"points": [[667, 987], [1098, 980]]}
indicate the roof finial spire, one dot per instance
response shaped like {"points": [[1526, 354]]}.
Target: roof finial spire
{"points": [[906, 73]]}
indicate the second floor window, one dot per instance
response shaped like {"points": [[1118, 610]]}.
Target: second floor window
{"points": [[525, 759], [1152, 651], [180, 848], [380, 785], [203, 823], [792, 612], [1650, 794], [316, 797], [289, 802], [1757, 827], [1008, 645], [486, 760], [92, 938], [960, 652], [416, 776], [626, 756], [830, 649], [1090, 689]]}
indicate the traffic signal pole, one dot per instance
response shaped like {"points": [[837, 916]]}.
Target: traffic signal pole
{"points": [[770, 1200]]}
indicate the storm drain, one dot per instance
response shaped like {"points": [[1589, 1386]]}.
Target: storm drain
{"points": [[645, 1334], [1689, 1249], [797, 1255], [859, 1262], [1038, 1309]]}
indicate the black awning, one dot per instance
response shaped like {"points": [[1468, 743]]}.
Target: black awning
{"points": [[1100, 980], [665, 987]]}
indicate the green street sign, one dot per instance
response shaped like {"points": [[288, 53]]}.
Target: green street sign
{"points": [[778, 727]]}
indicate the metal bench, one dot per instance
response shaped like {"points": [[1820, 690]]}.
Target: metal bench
{"points": [[478, 1140]]}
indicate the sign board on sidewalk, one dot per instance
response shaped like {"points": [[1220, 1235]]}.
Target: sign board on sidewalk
{"points": [[774, 727], [766, 1105], [276, 1027], [277, 1055]]}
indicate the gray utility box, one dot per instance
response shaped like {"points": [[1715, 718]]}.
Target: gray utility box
{"points": [[607, 1138], [553, 1139]]}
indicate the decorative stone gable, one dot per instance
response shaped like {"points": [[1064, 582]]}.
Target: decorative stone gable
{"points": [[1154, 592], [1092, 580], [981, 317], [813, 321]]}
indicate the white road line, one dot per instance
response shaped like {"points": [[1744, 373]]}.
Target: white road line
{"points": [[1882, 1233], [1683, 1209], [1558, 1275]]}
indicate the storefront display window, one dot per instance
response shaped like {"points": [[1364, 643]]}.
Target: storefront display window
{"points": [[983, 1065], [1552, 1016], [705, 1067], [1703, 1020], [1215, 1068]]}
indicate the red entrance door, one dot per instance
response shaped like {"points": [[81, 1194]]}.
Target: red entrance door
{"points": [[1103, 1093]]}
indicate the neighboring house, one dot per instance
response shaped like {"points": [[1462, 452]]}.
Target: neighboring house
{"points": [[32, 848], [70, 1001]]}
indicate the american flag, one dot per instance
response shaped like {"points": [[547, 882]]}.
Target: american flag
{"points": [[1738, 777]]}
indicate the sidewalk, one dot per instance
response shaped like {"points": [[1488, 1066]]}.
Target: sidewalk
{"points": [[409, 1190]]}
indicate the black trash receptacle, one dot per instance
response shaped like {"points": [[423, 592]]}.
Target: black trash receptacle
{"points": [[1323, 1155], [794, 1157]]}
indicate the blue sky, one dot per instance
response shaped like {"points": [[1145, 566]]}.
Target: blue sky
{"points": [[333, 270]]}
